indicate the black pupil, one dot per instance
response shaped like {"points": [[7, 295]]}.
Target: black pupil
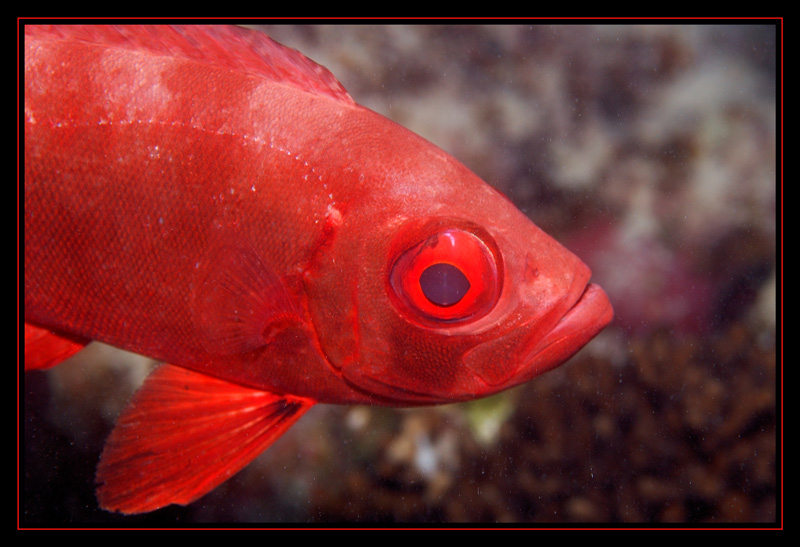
{"points": [[443, 284]]}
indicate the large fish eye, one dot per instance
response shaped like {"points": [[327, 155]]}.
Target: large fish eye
{"points": [[450, 276]]}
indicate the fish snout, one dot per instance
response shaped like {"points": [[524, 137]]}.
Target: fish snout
{"points": [[541, 344]]}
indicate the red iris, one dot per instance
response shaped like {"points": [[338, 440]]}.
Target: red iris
{"points": [[450, 276]]}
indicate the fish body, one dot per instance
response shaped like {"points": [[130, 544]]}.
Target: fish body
{"points": [[211, 199]]}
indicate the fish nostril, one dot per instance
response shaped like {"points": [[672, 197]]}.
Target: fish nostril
{"points": [[531, 269]]}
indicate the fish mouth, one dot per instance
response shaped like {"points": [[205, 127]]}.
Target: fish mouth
{"points": [[567, 327], [590, 314], [488, 372]]}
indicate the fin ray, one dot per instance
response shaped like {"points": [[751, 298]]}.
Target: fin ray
{"points": [[183, 434], [240, 301]]}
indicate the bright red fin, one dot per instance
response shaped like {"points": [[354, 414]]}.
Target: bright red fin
{"points": [[183, 434], [45, 349]]}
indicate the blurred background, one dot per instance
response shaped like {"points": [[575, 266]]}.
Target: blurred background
{"points": [[648, 150]]}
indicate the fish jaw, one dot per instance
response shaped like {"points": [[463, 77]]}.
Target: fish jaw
{"points": [[583, 321], [516, 357], [542, 343]]}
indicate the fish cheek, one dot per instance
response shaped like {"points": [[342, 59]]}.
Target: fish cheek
{"points": [[411, 365], [496, 361]]}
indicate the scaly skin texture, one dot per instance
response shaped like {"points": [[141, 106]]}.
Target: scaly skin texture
{"points": [[205, 197], [144, 172]]}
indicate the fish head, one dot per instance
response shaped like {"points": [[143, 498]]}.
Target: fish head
{"points": [[450, 305], [433, 287], [470, 311]]}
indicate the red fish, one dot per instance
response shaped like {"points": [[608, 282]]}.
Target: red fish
{"points": [[211, 199]]}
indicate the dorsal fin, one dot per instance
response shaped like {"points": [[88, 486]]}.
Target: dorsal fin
{"points": [[228, 47]]}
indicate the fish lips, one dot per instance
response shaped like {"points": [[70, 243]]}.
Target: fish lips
{"points": [[535, 354], [590, 314]]}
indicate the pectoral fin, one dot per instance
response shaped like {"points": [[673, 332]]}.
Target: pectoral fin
{"points": [[240, 300], [183, 434]]}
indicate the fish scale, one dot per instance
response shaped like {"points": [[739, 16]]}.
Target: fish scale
{"points": [[213, 200]]}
